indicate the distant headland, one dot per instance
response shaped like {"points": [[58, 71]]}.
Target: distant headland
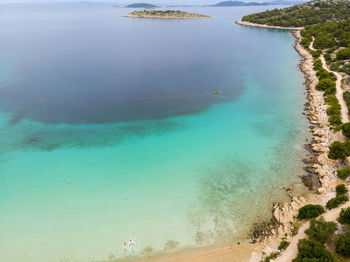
{"points": [[141, 5], [167, 14]]}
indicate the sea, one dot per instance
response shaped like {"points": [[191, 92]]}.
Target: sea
{"points": [[127, 137]]}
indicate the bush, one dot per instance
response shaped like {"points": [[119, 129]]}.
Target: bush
{"points": [[313, 251], [335, 120], [344, 216], [345, 128], [283, 245], [341, 189], [342, 245], [337, 151], [326, 84], [310, 211], [321, 230], [344, 173], [273, 255], [343, 54], [337, 201]]}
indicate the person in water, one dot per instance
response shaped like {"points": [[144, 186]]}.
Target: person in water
{"points": [[131, 243]]}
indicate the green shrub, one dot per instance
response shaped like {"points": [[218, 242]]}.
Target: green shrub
{"points": [[283, 245], [341, 189], [335, 120], [313, 251], [344, 216], [321, 230], [343, 54], [337, 201], [316, 54], [310, 211], [342, 245], [326, 84], [337, 151], [344, 173], [345, 128], [273, 255]]}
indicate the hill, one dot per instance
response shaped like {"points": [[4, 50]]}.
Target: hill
{"points": [[313, 12], [240, 3], [141, 5], [237, 3]]}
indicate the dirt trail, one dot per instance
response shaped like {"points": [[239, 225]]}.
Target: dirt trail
{"points": [[339, 91]]}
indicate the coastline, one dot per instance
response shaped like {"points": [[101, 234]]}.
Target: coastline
{"points": [[240, 22], [283, 225], [320, 165]]}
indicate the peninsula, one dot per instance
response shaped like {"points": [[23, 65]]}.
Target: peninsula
{"points": [[322, 32], [167, 14]]}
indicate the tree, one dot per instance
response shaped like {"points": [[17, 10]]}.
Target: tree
{"points": [[344, 216], [321, 230], [345, 128], [313, 251], [344, 173], [342, 245], [341, 189], [337, 201], [327, 85], [310, 211], [343, 54], [337, 151]]}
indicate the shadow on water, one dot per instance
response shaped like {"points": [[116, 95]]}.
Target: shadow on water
{"points": [[28, 135]]}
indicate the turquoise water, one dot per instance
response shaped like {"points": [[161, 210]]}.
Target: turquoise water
{"points": [[117, 135]]}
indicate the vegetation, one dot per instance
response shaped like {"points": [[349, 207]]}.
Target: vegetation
{"points": [[273, 255], [346, 96], [337, 150], [337, 201], [310, 13], [283, 245], [343, 245], [341, 189], [344, 216], [165, 14], [310, 211], [343, 173], [310, 250], [345, 128], [321, 230]]}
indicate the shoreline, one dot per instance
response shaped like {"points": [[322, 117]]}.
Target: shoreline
{"points": [[240, 22], [282, 219], [283, 213]]}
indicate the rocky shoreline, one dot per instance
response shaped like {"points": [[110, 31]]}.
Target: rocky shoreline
{"points": [[240, 22], [283, 224]]}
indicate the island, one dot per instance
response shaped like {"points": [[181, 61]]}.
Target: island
{"points": [[167, 14], [321, 226], [141, 5]]}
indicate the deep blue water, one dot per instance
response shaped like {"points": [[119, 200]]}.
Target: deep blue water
{"points": [[109, 130]]}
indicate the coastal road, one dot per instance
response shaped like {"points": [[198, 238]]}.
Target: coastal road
{"points": [[339, 91]]}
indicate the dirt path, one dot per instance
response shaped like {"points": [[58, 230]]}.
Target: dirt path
{"points": [[291, 252], [339, 91]]}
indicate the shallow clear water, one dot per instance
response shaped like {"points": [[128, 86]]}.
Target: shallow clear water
{"points": [[109, 130]]}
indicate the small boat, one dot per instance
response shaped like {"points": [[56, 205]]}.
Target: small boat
{"points": [[215, 92]]}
